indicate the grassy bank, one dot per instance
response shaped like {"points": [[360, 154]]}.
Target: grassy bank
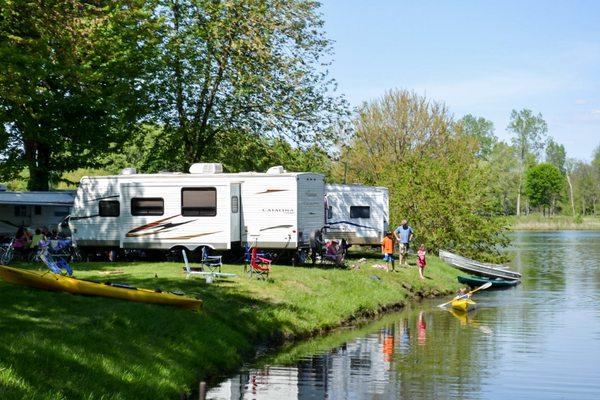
{"points": [[537, 222], [61, 346]]}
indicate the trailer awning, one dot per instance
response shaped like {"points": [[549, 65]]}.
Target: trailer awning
{"points": [[62, 198]]}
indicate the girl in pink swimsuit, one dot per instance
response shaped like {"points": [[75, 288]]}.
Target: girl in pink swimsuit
{"points": [[421, 261]]}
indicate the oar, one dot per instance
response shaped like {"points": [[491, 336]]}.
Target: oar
{"points": [[484, 286]]}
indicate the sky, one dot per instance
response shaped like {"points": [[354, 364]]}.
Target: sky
{"points": [[483, 58]]}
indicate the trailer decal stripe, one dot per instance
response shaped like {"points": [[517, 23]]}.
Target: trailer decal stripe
{"points": [[273, 191], [275, 227], [350, 223], [114, 196], [72, 218], [190, 236], [157, 225]]}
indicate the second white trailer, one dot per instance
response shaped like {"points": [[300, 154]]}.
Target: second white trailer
{"points": [[357, 213]]}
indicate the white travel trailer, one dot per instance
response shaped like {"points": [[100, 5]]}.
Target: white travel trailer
{"points": [[33, 209], [359, 214], [168, 211]]}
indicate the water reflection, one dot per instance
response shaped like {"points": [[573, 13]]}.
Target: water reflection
{"points": [[385, 360], [540, 340]]}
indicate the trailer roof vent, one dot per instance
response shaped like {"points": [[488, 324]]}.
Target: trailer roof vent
{"points": [[206, 168], [278, 169], [2, 188], [128, 171]]}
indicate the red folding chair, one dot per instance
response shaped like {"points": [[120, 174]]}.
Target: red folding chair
{"points": [[259, 266]]}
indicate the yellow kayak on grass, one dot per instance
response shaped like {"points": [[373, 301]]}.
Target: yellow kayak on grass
{"points": [[463, 304], [59, 283]]}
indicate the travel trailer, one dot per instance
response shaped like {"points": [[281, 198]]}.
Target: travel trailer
{"points": [[32, 209], [359, 214], [172, 211]]}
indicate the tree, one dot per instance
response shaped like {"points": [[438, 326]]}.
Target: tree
{"points": [[544, 185], [585, 190], [482, 131], [570, 165], [556, 155], [71, 82], [503, 169], [530, 131], [242, 67], [148, 151], [410, 145]]}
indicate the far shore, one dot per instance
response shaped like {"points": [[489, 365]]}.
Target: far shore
{"points": [[536, 222]]}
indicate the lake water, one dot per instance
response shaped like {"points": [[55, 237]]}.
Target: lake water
{"points": [[540, 340]]}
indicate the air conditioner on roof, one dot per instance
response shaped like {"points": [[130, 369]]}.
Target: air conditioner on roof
{"points": [[278, 169], [206, 168], [128, 171]]}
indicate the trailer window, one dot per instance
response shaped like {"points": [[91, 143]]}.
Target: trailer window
{"points": [[147, 206], [109, 208], [329, 212], [37, 210], [199, 202], [235, 204], [360, 212], [20, 211], [61, 212]]}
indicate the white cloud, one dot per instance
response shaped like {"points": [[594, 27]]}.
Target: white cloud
{"points": [[596, 112], [581, 101]]}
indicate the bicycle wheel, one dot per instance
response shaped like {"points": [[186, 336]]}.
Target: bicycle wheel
{"points": [[7, 256]]}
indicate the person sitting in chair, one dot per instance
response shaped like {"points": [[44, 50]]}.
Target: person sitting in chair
{"points": [[334, 252]]}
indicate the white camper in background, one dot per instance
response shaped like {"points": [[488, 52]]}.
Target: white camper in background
{"points": [[33, 209], [359, 214], [166, 211]]}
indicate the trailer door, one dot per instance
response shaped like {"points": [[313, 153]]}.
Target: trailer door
{"points": [[236, 212]]}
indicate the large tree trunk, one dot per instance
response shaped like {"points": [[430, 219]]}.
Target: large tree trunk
{"points": [[37, 155], [571, 194]]}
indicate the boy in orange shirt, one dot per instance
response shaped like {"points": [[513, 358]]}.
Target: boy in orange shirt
{"points": [[387, 248]]}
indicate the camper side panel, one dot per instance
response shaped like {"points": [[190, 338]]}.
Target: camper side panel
{"points": [[31, 216], [358, 214], [270, 212], [190, 214], [311, 189], [89, 227]]}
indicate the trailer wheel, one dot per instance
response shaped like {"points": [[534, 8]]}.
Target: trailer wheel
{"points": [[175, 254]]}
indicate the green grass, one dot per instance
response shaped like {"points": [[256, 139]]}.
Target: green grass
{"points": [[62, 346], [538, 222]]}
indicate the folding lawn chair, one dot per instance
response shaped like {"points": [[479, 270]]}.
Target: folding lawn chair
{"points": [[187, 268], [213, 263], [259, 266]]}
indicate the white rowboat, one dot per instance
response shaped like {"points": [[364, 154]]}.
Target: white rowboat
{"points": [[477, 267]]}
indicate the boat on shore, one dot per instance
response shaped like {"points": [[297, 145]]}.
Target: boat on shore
{"points": [[497, 283], [479, 268], [59, 283]]}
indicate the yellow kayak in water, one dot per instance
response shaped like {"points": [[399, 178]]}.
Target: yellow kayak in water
{"points": [[463, 304], [59, 283]]}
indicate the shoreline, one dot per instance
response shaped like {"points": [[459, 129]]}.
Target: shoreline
{"points": [[93, 347], [534, 222]]}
